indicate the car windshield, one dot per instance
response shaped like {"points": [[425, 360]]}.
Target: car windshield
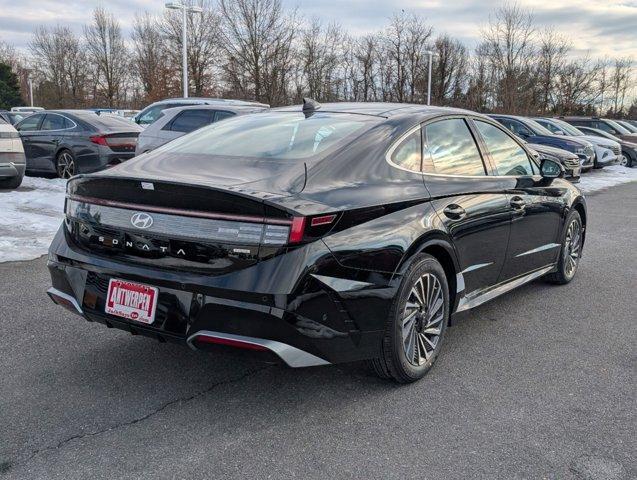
{"points": [[568, 128], [539, 129], [273, 135], [621, 130]]}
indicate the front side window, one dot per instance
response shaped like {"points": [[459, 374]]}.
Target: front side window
{"points": [[150, 115], [516, 127], [509, 157], [408, 154], [452, 149], [190, 120], [274, 135], [549, 126], [30, 123]]}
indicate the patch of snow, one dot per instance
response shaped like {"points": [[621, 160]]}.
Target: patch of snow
{"points": [[29, 218], [606, 177]]}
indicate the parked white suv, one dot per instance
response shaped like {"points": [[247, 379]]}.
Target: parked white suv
{"points": [[12, 160]]}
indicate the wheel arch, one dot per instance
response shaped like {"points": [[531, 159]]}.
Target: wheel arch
{"points": [[580, 208], [438, 245]]}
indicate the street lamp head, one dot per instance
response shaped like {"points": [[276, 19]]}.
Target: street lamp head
{"points": [[174, 5]]}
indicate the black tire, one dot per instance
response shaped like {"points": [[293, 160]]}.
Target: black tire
{"points": [[425, 322], [630, 162], [566, 269], [11, 183], [65, 164]]}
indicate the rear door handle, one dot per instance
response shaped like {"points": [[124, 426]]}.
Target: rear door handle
{"points": [[454, 211], [518, 202]]}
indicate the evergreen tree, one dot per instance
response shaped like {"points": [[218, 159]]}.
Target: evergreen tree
{"points": [[9, 88]]}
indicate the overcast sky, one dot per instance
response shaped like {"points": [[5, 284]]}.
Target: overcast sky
{"points": [[605, 28]]}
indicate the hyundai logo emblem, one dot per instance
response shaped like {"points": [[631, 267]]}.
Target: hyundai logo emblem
{"points": [[141, 220]]}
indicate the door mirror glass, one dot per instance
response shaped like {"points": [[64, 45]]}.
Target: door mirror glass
{"points": [[551, 169]]}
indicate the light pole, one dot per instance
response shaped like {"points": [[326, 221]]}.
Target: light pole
{"points": [[185, 10], [431, 56]]}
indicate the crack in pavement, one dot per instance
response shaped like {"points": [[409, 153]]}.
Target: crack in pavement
{"points": [[10, 465]]}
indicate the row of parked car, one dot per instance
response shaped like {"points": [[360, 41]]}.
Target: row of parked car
{"points": [[67, 142]]}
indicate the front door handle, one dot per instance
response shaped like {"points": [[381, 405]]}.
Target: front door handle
{"points": [[518, 202], [454, 211]]}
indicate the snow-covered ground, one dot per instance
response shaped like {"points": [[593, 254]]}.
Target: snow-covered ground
{"points": [[30, 215], [29, 218]]}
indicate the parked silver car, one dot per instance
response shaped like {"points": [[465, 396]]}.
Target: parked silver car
{"points": [[175, 122]]}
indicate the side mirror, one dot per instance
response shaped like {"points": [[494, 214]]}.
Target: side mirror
{"points": [[551, 169]]}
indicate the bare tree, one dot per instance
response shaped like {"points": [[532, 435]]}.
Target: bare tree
{"points": [[552, 53], [320, 53], [60, 62], [258, 38], [449, 70], [405, 45], [575, 87], [150, 60], [109, 54], [620, 82], [203, 37], [508, 45]]}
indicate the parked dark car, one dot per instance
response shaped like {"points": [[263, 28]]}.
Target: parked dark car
{"points": [[627, 125], [629, 149], [152, 112], [568, 160], [68, 142], [13, 118], [607, 152], [321, 234], [533, 132], [604, 124]]}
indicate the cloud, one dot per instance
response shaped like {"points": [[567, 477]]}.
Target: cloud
{"points": [[602, 28]]}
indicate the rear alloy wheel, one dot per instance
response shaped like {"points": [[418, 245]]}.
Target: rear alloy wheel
{"points": [[417, 323], [571, 251], [65, 164]]}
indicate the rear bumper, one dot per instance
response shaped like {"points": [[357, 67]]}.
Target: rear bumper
{"points": [[301, 319], [12, 164]]}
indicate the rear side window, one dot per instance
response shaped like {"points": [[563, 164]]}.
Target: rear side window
{"points": [[30, 123], [55, 122], [190, 120], [509, 157], [408, 154], [452, 149], [223, 115]]}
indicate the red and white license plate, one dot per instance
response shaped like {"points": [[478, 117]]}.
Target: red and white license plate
{"points": [[130, 300]]}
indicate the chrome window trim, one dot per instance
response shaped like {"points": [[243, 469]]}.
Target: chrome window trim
{"points": [[397, 143], [57, 129], [488, 120]]}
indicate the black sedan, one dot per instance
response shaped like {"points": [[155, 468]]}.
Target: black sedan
{"points": [[68, 142], [319, 234]]}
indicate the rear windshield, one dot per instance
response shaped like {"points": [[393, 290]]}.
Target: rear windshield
{"points": [[106, 120], [272, 135]]}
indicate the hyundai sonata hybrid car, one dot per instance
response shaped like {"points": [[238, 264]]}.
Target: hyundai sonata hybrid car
{"points": [[319, 234]]}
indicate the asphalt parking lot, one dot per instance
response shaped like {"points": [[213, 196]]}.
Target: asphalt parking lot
{"points": [[537, 384]]}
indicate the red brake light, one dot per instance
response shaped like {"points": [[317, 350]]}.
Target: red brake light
{"points": [[297, 229], [323, 220], [99, 139]]}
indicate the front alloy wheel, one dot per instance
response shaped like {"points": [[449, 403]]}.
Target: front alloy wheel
{"points": [[572, 246], [65, 165], [571, 252]]}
